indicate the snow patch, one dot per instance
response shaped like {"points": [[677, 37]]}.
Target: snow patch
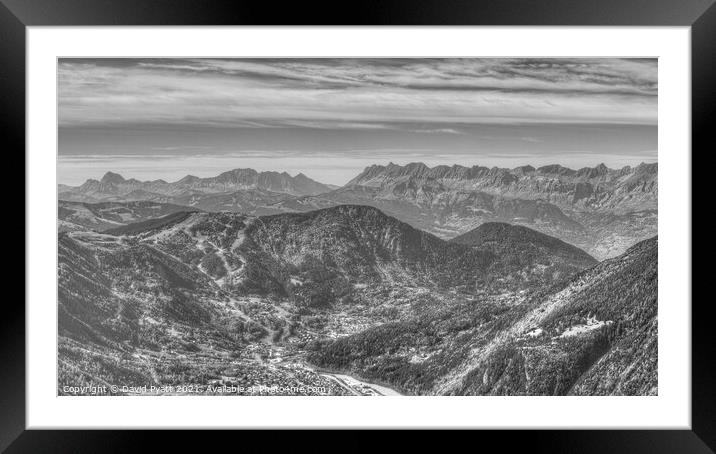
{"points": [[591, 325]]}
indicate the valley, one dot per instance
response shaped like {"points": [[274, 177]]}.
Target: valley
{"points": [[340, 301]]}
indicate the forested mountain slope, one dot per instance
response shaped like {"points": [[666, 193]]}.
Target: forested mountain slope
{"points": [[595, 334]]}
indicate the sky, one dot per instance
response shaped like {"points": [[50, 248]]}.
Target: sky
{"points": [[331, 118]]}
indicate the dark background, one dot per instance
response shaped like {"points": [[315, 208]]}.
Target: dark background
{"points": [[15, 15], [371, 12]]}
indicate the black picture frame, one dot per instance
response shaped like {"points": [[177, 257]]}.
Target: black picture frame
{"points": [[16, 15]]}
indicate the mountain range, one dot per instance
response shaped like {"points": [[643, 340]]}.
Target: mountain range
{"points": [[114, 187], [199, 297], [589, 188], [600, 210]]}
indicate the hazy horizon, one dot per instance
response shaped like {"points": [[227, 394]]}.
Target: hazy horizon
{"points": [[330, 118], [171, 176]]}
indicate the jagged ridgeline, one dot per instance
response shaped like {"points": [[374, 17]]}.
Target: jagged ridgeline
{"points": [[600, 210]]}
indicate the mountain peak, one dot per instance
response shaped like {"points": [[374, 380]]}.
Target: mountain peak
{"points": [[521, 240], [593, 172], [112, 178], [555, 169], [236, 175], [524, 169], [188, 179], [651, 168], [241, 171], [416, 166]]}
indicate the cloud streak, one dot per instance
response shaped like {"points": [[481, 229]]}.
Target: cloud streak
{"points": [[329, 118], [356, 92]]}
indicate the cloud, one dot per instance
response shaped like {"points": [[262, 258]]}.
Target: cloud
{"points": [[438, 131], [356, 93]]}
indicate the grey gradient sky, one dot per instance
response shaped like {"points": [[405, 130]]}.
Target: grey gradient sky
{"points": [[329, 118]]}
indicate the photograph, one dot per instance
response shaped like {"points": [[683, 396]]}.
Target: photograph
{"points": [[357, 226]]}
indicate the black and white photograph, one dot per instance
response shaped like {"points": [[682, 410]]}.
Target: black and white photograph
{"points": [[357, 226]]}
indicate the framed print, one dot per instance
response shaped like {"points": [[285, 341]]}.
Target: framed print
{"points": [[409, 219]]}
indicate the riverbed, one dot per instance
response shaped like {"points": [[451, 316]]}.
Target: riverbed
{"points": [[359, 387]]}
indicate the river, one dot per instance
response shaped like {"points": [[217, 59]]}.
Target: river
{"points": [[359, 387]]}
